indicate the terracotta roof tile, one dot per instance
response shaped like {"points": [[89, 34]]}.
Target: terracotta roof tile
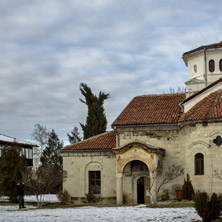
{"points": [[151, 109], [211, 46], [208, 108], [102, 141]]}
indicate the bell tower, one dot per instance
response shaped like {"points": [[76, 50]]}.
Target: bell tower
{"points": [[204, 67]]}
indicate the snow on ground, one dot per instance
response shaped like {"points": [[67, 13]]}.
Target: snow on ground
{"points": [[98, 214], [52, 198], [47, 198]]}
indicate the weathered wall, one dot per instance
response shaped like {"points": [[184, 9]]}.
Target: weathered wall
{"points": [[77, 165], [181, 145]]}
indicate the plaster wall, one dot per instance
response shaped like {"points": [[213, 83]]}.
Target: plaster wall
{"points": [[196, 65], [77, 165]]}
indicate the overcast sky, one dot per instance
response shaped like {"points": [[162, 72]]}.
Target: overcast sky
{"points": [[123, 47]]}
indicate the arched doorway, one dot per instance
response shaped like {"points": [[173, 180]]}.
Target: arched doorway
{"points": [[140, 190], [136, 182], [126, 178]]}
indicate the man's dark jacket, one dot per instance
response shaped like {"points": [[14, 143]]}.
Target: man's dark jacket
{"points": [[20, 189]]}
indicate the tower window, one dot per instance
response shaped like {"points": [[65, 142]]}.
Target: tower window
{"points": [[211, 65], [199, 164], [220, 65]]}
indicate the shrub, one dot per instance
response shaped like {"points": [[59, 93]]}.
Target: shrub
{"points": [[208, 208], [91, 198], [64, 197], [165, 195], [187, 189]]}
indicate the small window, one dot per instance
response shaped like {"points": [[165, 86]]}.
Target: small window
{"points": [[30, 153], [24, 152], [211, 65], [220, 65], [199, 164], [94, 182]]}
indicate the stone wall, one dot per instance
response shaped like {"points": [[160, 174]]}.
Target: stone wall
{"points": [[181, 143]]}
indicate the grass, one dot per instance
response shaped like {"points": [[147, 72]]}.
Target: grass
{"points": [[175, 204]]}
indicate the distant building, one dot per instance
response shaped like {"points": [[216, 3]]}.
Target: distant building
{"points": [[151, 134], [26, 147]]}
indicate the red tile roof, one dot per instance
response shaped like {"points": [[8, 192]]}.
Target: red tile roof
{"points": [[208, 108], [211, 46], [151, 109], [102, 141]]}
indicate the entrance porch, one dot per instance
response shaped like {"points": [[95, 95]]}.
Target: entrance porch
{"points": [[136, 170]]}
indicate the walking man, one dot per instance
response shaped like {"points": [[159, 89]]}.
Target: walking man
{"points": [[20, 192]]}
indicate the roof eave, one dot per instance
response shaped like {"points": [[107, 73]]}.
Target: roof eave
{"points": [[145, 125], [86, 150]]}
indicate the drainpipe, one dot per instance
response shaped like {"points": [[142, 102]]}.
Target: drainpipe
{"points": [[118, 142], [205, 63]]}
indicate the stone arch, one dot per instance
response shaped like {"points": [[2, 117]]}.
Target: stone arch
{"points": [[197, 144], [133, 159], [147, 153], [93, 164]]}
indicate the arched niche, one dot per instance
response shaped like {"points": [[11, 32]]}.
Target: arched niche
{"points": [[91, 166]]}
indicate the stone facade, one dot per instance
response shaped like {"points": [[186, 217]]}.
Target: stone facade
{"points": [[180, 144], [78, 165], [152, 134]]}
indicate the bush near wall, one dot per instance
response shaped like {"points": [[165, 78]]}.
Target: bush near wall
{"points": [[187, 189], [208, 208]]}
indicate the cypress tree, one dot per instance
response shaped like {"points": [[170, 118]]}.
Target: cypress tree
{"points": [[187, 189], [96, 119], [12, 168]]}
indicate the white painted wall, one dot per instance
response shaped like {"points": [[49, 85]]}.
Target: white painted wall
{"points": [[199, 61]]}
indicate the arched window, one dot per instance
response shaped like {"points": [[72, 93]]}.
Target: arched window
{"points": [[199, 164], [211, 65], [220, 65]]}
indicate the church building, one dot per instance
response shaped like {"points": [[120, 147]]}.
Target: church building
{"points": [[152, 134]]}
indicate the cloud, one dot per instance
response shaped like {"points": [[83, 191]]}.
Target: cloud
{"points": [[125, 48]]}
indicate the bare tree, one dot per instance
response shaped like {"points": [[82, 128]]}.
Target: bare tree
{"points": [[41, 135], [42, 181], [179, 89], [172, 173]]}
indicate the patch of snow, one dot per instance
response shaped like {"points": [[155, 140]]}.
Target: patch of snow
{"points": [[46, 198], [99, 214], [52, 198]]}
